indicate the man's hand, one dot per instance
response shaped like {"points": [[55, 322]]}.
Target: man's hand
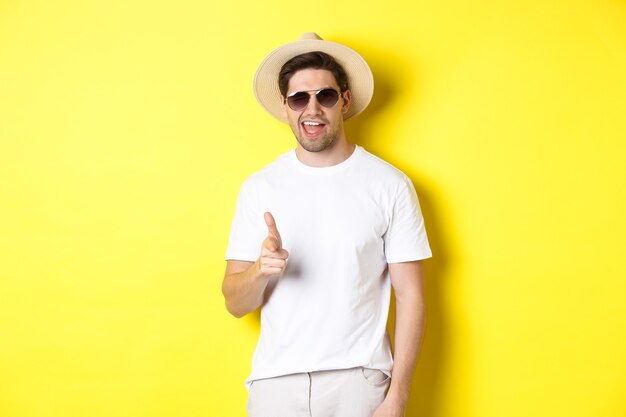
{"points": [[389, 408], [273, 259]]}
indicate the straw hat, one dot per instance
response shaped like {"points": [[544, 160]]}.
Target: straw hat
{"points": [[360, 79]]}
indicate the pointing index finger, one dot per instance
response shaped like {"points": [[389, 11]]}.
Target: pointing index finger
{"points": [[271, 227]]}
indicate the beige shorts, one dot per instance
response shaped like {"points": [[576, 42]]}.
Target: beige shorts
{"points": [[354, 392]]}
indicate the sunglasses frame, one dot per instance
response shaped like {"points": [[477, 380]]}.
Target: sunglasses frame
{"points": [[314, 93]]}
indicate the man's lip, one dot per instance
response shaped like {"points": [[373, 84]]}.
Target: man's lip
{"points": [[322, 122]]}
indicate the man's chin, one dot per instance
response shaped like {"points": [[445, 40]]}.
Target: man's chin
{"points": [[315, 145]]}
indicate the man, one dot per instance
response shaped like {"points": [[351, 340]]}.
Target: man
{"points": [[317, 240]]}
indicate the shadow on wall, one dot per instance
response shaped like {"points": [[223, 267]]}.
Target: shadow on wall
{"points": [[434, 351], [433, 356]]}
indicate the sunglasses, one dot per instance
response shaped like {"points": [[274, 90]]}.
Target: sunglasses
{"points": [[327, 97]]}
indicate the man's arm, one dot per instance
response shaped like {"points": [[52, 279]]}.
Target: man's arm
{"points": [[407, 279], [243, 287], [244, 282]]}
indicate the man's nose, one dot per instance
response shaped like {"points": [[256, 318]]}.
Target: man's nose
{"points": [[313, 106]]}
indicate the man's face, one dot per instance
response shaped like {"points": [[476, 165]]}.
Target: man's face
{"points": [[316, 127]]}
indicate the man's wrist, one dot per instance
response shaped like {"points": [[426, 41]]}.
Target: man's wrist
{"points": [[397, 396]]}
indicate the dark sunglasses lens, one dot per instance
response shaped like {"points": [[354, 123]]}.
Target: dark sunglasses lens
{"points": [[298, 101], [327, 97]]}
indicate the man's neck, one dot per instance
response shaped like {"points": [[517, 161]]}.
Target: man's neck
{"points": [[328, 157]]}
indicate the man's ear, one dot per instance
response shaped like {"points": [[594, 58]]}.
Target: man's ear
{"points": [[283, 107], [347, 100]]}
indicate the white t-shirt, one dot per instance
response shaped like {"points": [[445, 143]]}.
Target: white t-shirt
{"points": [[341, 225]]}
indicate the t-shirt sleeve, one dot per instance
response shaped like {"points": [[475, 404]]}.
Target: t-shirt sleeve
{"points": [[246, 235], [405, 239]]}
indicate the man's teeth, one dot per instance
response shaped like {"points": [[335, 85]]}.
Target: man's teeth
{"points": [[311, 123]]}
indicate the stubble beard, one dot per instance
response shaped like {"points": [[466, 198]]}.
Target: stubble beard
{"points": [[326, 141]]}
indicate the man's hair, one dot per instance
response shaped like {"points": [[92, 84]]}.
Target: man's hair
{"points": [[313, 60]]}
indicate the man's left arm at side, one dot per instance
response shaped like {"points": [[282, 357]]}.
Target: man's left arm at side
{"points": [[407, 279]]}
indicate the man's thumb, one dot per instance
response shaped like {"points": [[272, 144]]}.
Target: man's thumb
{"points": [[271, 243]]}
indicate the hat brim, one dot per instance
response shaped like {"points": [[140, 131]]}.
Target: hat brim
{"points": [[360, 78]]}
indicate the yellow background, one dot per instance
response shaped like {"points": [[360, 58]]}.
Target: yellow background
{"points": [[126, 128]]}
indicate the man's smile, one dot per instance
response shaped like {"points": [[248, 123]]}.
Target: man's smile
{"points": [[312, 128]]}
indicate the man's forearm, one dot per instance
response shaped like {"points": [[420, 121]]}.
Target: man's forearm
{"points": [[243, 291], [408, 334]]}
